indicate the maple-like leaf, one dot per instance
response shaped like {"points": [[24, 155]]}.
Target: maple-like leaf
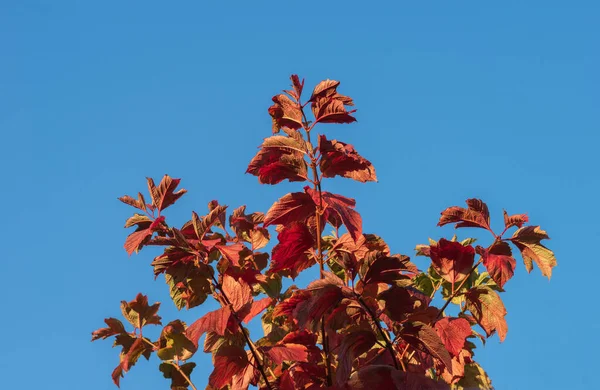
{"points": [[189, 284], [203, 225], [452, 260], [139, 203], [340, 159], [115, 327], [215, 321], [229, 360], [488, 310], [499, 262], [476, 215], [453, 332], [528, 240], [309, 312], [293, 207], [286, 352], [474, 378], [353, 345], [290, 253], [423, 337], [279, 158], [139, 313], [178, 381], [344, 207], [387, 269], [385, 377], [238, 292], [164, 195], [173, 343], [515, 220]]}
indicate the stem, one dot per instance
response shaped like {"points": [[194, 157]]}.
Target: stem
{"points": [[402, 356], [455, 293], [253, 350], [384, 335], [317, 187], [187, 378]]}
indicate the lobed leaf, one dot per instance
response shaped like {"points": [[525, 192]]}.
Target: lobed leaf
{"points": [[475, 215], [340, 159], [528, 240], [488, 310]]}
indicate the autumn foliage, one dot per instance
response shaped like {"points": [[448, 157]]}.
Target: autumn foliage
{"points": [[368, 322]]}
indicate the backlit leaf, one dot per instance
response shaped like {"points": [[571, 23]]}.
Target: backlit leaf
{"points": [[488, 310], [476, 215], [215, 321], [452, 260], [290, 253], [515, 220], [353, 345], [499, 262], [294, 207], [424, 338], [228, 361], [338, 158], [453, 332], [286, 352], [344, 207], [528, 240], [164, 195], [139, 313]]}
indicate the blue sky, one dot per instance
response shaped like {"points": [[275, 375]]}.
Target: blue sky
{"points": [[455, 100]]}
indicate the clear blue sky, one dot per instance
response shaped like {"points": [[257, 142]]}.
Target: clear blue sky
{"points": [[455, 100]]}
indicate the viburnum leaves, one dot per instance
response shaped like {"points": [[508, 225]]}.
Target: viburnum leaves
{"points": [[488, 310], [279, 158], [499, 262], [528, 240], [340, 159], [475, 215], [370, 321], [452, 260]]}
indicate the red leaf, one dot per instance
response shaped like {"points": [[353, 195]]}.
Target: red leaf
{"points": [[139, 313], [285, 113], [488, 310], [515, 220], [229, 360], [278, 159], [309, 312], [294, 207], [344, 207], [332, 110], [499, 262], [376, 377], [256, 308], [298, 86], [203, 225], [324, 88], [286, 352], [163, 196], [398, 302], [136, 240], [114, 327], [387, 269], [215, 321], [139, 203], [453, 332], [452, 260], [238, 292], [424, 338], [353, 345], [290, 253], [338, 158], [476, 215]]}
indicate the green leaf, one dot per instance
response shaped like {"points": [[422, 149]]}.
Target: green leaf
{"points": [[178, 382]]}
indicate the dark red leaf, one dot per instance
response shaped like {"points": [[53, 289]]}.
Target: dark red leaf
{"points": [[515, 220], [476, 215], [286, 352], [452, 260], [215, 321], [377, 377], [353, 345], [338, 158], [344, 207], [229, 360], [499, 262], [278, 159], [114, 327], [290, 253], [164, 195], [298, 86], [294, 207], [453, 332], [285, 113], [399, 303], [424, 338], [387, 269]]}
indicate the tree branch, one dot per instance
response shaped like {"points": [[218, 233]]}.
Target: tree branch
{"points": [[384, 335]]}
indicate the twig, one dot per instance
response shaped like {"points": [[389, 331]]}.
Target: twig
{"points": [[388, 342], [183, 374]]}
